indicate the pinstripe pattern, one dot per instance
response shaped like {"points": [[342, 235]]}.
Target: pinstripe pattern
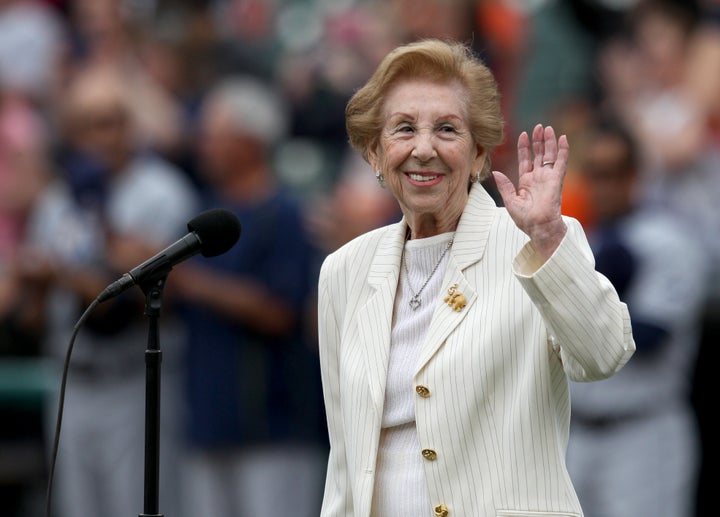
{"points": [[497, 371]]}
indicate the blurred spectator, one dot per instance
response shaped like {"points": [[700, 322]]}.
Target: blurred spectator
{"points": [[319, 76], [109, 33], [111, 207], [634, 444], [255, 429], [32, 48], [667, 121], [647, 78], [24, 170], [659, 76], [356, 205]]}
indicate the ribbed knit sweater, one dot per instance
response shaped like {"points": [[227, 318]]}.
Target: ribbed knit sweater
{"points": [[400, 484]]}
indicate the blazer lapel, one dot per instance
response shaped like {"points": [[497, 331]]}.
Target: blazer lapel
{"points": [[374, 319], [468, 248]]}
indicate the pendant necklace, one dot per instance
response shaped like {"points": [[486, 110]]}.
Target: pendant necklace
{"points": [[415, 301]]}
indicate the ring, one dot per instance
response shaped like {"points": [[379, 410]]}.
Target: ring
{"points": [[548, 163]]}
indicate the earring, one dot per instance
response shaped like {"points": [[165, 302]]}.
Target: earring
{"points": [[380, 178], [475, 178]]}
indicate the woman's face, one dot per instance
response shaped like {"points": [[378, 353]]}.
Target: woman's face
{"points": [[427, 154]]}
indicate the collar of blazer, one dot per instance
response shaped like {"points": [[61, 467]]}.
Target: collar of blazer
{"points": [[468, 247]]}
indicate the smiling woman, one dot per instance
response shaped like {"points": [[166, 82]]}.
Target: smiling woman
{"points": [[447, 339], [426, 153], [434, 62]]}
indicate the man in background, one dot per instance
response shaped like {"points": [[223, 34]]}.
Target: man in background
{"points": [[634, 442], [112, 205], [255, 428]]}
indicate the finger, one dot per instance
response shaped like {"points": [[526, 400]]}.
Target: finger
{"points": [[551, 147], [524, 154], [538, 145], [504, 186], [563, 153]]}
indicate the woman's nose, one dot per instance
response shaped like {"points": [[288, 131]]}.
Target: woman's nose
{"points": [[424, 148]]}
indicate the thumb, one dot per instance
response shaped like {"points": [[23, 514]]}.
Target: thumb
{"points": [[504, 185]]}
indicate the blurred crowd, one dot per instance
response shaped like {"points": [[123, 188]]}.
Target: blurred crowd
{"points": [[120, 120]]}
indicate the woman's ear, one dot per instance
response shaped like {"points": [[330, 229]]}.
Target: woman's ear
{"points": [[480, 157], [372, 157]]}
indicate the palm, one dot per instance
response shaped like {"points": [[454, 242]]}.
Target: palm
{"points": [[535, 203]]}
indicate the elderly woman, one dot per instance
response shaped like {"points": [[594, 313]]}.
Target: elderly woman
{"points": [[447, 339]]}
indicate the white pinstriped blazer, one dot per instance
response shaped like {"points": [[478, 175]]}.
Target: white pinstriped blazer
{"points": [[498, 411]]}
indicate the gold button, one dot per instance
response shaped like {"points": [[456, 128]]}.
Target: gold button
{"points": [[423, 391], [429, 454], [441, 510]]}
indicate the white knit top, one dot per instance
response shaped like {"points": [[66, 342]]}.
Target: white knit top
{"points": [[400, 484]]}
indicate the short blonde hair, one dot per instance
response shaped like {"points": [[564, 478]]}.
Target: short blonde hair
{"points": [[435, 60]]}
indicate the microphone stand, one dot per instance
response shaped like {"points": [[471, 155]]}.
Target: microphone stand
{"points": [[153, 289]]}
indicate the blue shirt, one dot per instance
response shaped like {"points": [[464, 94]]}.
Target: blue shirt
{"points": [[244, 387]]}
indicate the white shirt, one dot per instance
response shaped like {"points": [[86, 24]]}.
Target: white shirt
{"points": [[400, 485]]}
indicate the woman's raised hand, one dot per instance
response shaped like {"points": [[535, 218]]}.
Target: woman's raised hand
{"points": [[535, 204]]}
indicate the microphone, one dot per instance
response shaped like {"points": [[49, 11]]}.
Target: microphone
{"points": [[212, 233]]}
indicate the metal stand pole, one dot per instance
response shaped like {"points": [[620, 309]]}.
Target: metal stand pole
{"points": [[153, 359]]}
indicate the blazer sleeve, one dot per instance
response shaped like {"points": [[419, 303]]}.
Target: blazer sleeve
{"points": [[587, 323], [336, 499]]}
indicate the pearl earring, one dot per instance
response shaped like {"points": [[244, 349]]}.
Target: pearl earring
{"points": [[475, 178]]}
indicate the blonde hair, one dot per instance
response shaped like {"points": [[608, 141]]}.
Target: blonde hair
{"points": [[435, 60]]}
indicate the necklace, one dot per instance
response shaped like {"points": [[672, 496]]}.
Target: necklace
{"points": [[415, 301]]}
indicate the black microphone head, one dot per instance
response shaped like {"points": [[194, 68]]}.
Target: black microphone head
{"points": [[218, 229]]}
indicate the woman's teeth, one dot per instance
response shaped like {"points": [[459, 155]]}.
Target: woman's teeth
{"points": [[422, 177]]}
